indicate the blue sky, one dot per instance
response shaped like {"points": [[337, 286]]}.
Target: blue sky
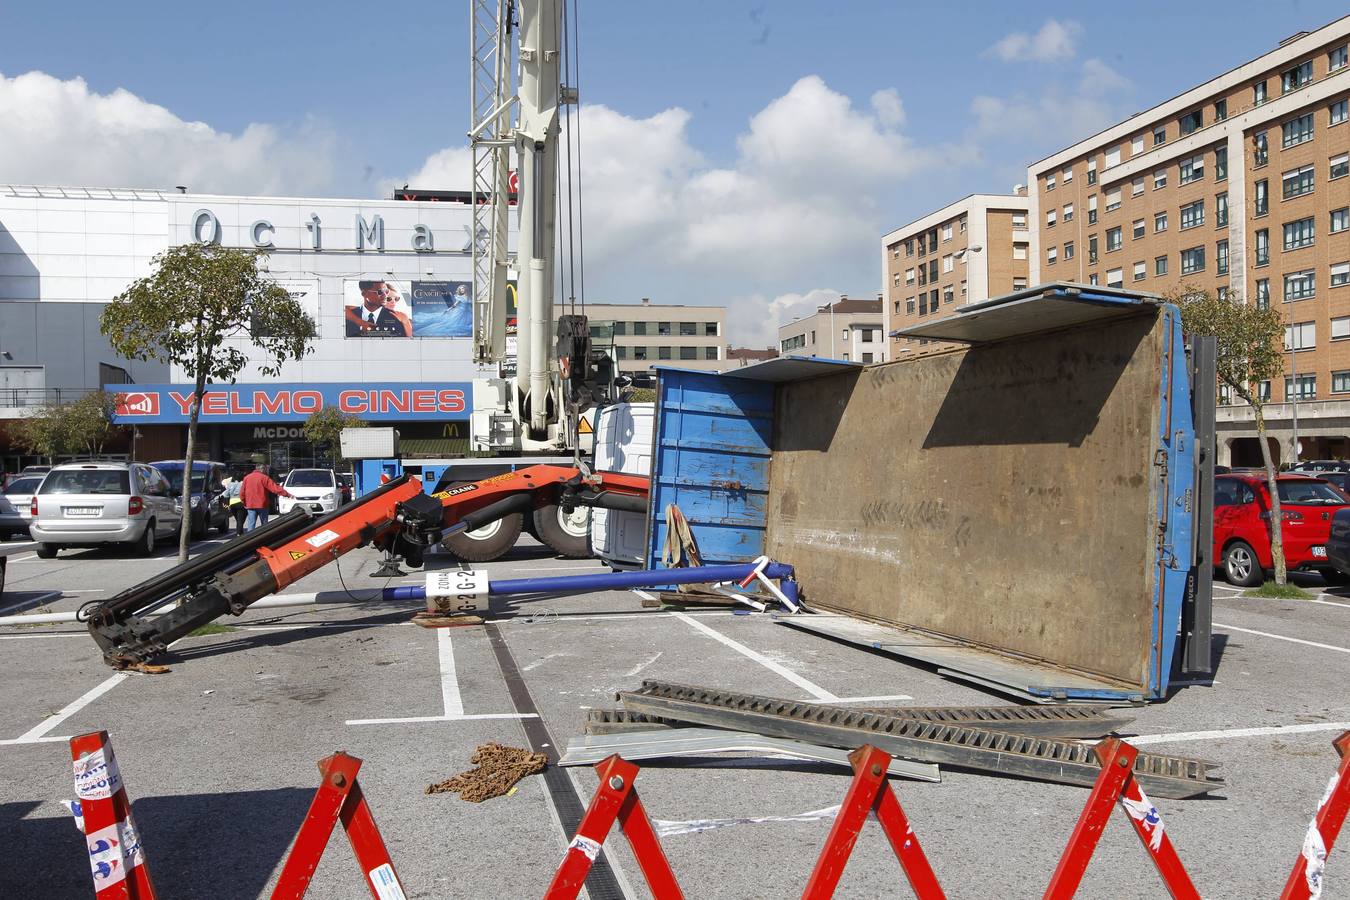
{"points": [[760, 162]]}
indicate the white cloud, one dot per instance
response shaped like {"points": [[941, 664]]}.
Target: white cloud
{"points": [[755, 319], [1074, 111], [62, 132], [1054, 42]]}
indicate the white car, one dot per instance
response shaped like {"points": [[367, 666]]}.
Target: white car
{"points": [[314, 489]]}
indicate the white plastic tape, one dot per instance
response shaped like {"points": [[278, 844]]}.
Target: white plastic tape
{"points": [[1146, 814], [586, 846], [96, 776], [1314, 848], [459, 590]]}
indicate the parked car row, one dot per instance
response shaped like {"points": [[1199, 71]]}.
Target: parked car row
{"points": [[1242, 529], [92, 504]]}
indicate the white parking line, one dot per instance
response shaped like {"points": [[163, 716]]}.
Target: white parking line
{"points": [[34, 637], [810, 687], [1280, 637], [877, 699], [1177, 737], [1243, 596], [32, 735]]}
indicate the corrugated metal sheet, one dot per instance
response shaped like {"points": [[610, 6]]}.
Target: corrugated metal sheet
{"points": [[711, 460], [1046, 308]]}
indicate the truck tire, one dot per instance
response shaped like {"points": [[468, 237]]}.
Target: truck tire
{"points": [[486, 543], [569, 535]]}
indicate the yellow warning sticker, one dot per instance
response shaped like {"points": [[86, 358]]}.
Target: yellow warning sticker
{"points": [[585, 427], [297, 554]]}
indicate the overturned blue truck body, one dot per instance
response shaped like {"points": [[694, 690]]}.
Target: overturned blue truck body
{"points": [[1023, 506]]}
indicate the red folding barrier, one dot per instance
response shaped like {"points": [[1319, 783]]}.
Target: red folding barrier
{"points": [[616, 798], [116, 856], [870, 792], [339, 798], [1306, 879], [1117, 782]]}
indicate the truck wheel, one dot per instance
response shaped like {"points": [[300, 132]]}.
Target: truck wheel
{"points": [[1241, 565], [46, 551], [487, 543], [568, 534]]}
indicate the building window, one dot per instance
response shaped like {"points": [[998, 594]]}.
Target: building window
{"points": [[1262, 197], [1263, 247], [1092, 249], [1136, 145], [947, 263], [1295, 78], [1220, 210], [1019, 251], [909, 306], [640, 353], [1260, 149], [688, 329], [909, 276], [1340, 382], [909, 247], [963, 281], [1050, 182], [710, 329], [962, 220], [1159, 222], [1192, 260], [1192, 169], [1298, 234], [1160, 135], [663, 353], [1339, 166], [932, 270], [1300, 336], [1193, 215], [620, 352], [1296, 131], [1113, 199], [1112, 157], [1220, 163], [946, 232], [1019, 221], [1092, 279], [1300, 285], [1337, 112], [1340, 274], [1263, 293], [866, 335], [867, 357], [1336, 59], [1050, 218], [1259, 94], [1263, 390], [710, 353], [844, 333], [1092, 210], [1140, 270], [1221, 258], [1160, 179], [1068, 252], [688, 353], [1019, 284], [1340, 219], [1192, 122], [1068, 212], [1220, 110], [1112, 239], [1137, 229], [1297, 182], [1115, 278], [1160, 265], [640, 329], [663, 328], [1304, 387], [1051, 255], [1092, 171], [1137, 186], [947, 295], [1340, 328]]}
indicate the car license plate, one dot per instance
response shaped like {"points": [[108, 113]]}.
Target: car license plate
{"points": [[78, 512], [1319, 552]]}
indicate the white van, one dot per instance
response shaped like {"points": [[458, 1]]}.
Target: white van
{"points": [[623, 443]]}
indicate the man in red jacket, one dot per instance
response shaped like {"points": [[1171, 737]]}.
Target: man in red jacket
{"points": [[253, 495]]}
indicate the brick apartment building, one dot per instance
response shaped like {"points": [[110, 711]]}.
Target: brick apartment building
{"points": [[1237, 186], [976, 248]]}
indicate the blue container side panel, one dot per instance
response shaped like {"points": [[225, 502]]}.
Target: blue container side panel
{"points": [[711, 459], [1176, 494]]}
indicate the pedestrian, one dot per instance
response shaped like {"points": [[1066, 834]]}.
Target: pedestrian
{"points": [[255, 492], [236, 503]]}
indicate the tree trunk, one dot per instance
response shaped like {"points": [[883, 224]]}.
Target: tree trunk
{"points": [[1276, 517], [185, 527]]}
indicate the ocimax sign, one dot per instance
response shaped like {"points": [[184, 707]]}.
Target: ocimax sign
{"points": [[233, 403]]}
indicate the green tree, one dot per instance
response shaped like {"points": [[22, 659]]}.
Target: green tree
{"points": [[197, 298], [69, 429], [1250, 352], [324, 428]]}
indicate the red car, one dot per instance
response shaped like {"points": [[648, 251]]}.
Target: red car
{"points": [[1242, 525]]}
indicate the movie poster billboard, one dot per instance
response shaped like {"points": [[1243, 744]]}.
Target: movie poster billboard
{"points": [[304, 291], [377, 308], [442, 309]]}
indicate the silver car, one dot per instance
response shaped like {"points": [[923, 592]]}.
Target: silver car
{"points": [[97, 503], [16, 505]]}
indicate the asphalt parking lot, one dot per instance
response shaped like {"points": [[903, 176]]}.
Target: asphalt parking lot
{"points": [[219, 755]]}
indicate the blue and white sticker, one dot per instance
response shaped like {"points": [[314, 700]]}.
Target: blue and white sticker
{"points": [[385, 883], [96, 775]]}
